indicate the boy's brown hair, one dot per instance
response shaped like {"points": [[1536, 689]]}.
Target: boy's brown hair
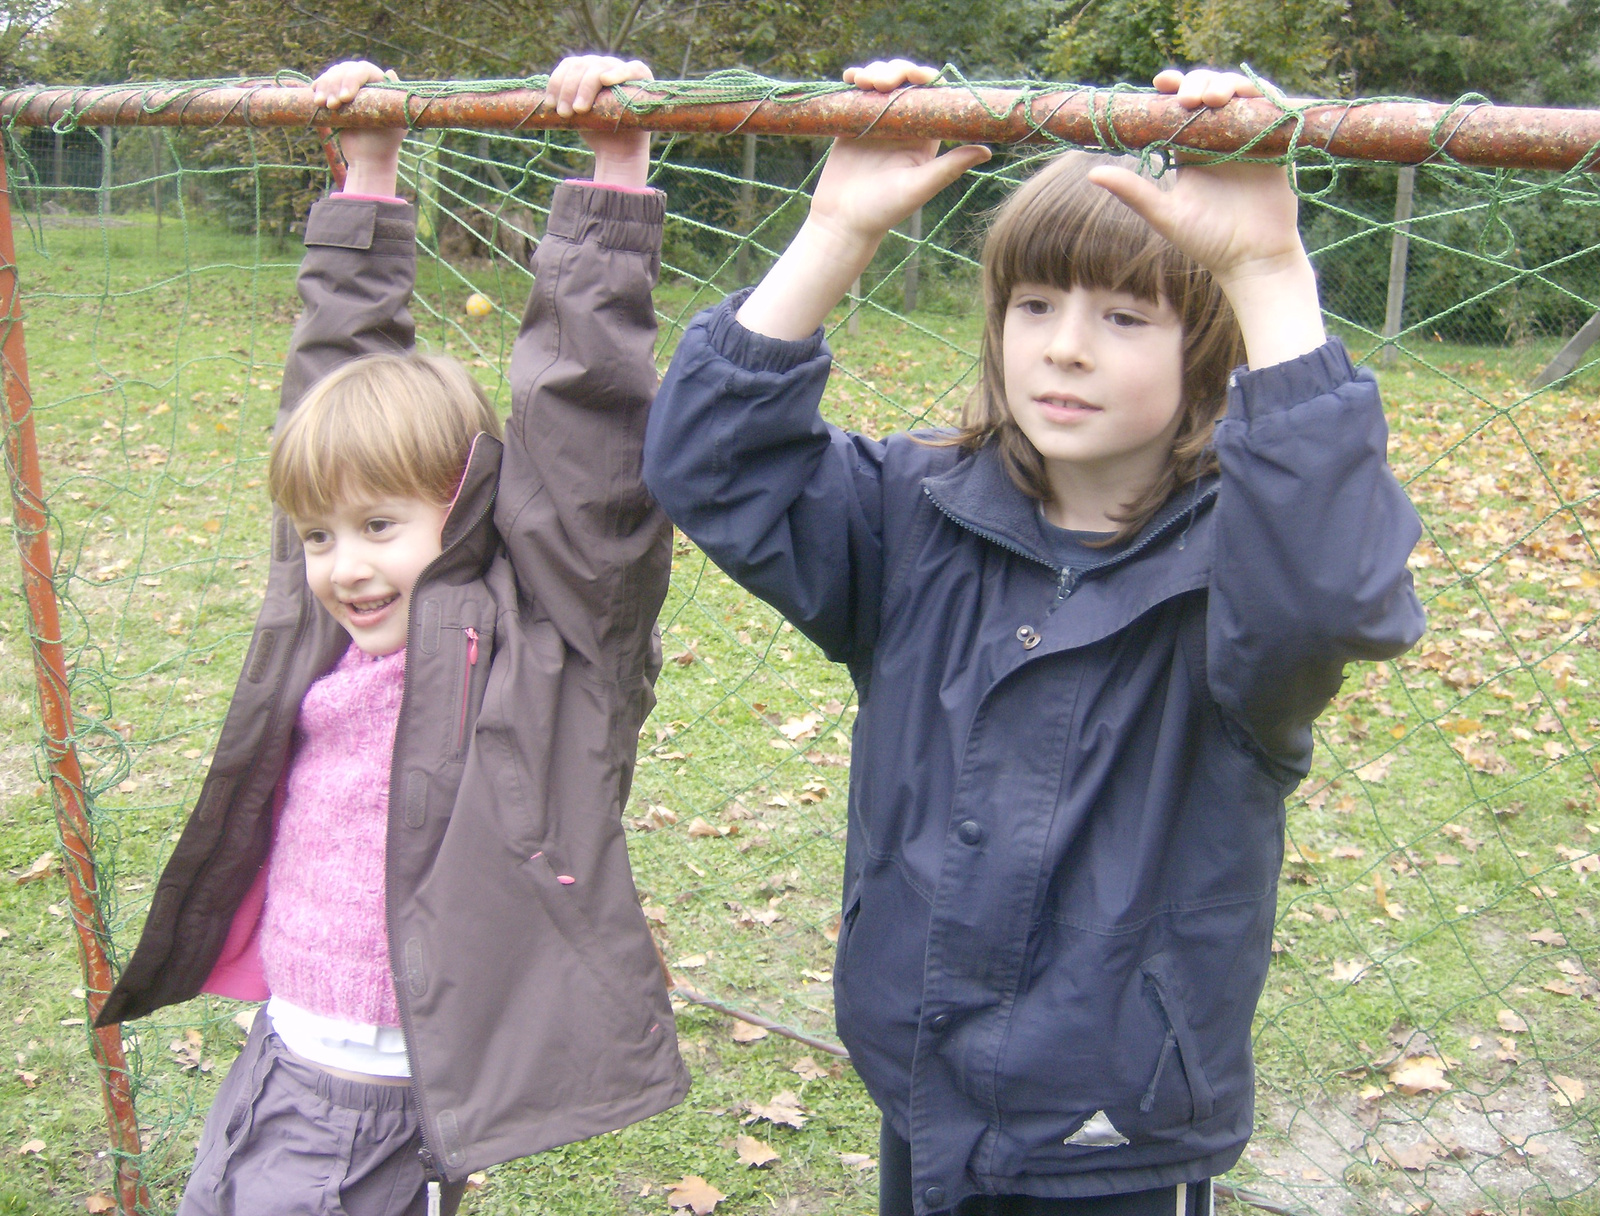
{"points": [[1061, 230], [386, 425]]}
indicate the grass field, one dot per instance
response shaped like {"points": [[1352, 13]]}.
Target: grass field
{"points": [[1430, 1027]]}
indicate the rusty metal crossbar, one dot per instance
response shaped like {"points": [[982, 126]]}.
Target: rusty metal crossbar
{"points": [[1401, 132]]}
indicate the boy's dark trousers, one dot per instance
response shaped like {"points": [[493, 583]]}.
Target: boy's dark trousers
{"points": [[894, 1194]]}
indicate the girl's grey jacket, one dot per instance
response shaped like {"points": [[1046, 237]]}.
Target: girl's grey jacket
{"points": [[1067, 785], [533, 1002]]}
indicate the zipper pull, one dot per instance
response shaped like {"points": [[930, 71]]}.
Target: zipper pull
{"points": [[1065, 583], [434, 1198], [472, 646]]}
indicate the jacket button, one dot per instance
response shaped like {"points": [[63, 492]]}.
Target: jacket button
{"points": [[1028, 637], [970, 832], [934, 1196], [939, 1021]]}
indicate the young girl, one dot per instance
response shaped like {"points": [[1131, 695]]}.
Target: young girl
{"points": [[1089, 631], [410, 838]]}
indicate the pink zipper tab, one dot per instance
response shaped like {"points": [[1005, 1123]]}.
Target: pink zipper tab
{"points": [[466, 685], [472, 646]]}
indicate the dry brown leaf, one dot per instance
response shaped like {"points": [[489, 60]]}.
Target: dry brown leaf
{"points": [[784, 1110], [808, 1069], [757, 1154], [1510, 1022], [43, 866], [1347, 972], [691, 962], [747, 1032], [99, 1203], [1548, 937], [699, 827], [31, 1148], [1559, 987], [246, 1018], [1407, 1157], [1347, 852], [695, 1193], [858, 1161], [1566, 1091], [1414, 1075], [1375, 770]]}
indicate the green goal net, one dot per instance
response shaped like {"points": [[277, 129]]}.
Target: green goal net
{"points": [[1429, 1034]]}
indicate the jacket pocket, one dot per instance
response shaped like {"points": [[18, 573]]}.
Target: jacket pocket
{"points": [[1179, 1042]]}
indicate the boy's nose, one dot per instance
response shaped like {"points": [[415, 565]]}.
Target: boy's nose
{"points": [[1070, 345]]}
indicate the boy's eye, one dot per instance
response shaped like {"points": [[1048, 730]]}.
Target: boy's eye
{"points": [[312, 537]]}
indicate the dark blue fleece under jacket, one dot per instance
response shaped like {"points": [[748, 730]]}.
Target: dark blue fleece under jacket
{"points": [[1066, 800]]}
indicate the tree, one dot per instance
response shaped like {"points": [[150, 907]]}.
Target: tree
{"points": [[1289, 41]]}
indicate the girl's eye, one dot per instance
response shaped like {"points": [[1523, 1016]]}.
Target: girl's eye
{"points": [[1127, 320], [1033, 307], [313, 538], [377, 527]]}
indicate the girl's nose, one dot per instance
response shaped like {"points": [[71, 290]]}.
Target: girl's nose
{"points": [[350, 568]]}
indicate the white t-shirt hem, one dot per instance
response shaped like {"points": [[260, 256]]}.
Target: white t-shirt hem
{"points": [[378, 1051]]}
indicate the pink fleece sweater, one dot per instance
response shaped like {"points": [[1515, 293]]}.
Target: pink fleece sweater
{"points": [[324, 942]]}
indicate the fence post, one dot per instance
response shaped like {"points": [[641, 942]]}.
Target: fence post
{"points": [[747, 211], [913, 261], [107, 137], [55, 712], [1399, 246]]}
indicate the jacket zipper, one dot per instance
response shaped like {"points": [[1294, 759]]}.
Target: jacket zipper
{"points": [[430, 1170], [1147, 1103], [466, 686]]}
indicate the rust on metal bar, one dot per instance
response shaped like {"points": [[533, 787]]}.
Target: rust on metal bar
{"points": [[55, 708], [1398, 132]]}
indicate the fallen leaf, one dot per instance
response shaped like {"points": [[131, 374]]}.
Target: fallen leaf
{"points": [[699, 827], [807, 1069], [1328, 914], [1375, 770], [1408, 1157], [1559, 987], [1568, 1091], [747, 1032], [43, 866], [28, 1079], [99, 1203], [1414, 1075], [818, 977], [784, 1110], [691, 962], [757, 1154], [694, 1192], [477, 1181], [246, 1018], [1548, 937], [858, 1161], [1510, 1022], [1347, 972], [1347, 852], [32, 1148]]}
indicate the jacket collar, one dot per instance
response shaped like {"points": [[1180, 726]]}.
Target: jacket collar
{"points": [[469, 538], [978, 494]]}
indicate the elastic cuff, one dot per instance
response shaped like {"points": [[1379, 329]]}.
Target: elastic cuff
{"points": [[367, 198], [1284, 385], [617, 219], [757, 352], [587, 181], [353, 223]]}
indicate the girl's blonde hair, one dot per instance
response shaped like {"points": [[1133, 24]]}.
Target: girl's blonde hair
{"points": [[1061, 230], [387, 425]]}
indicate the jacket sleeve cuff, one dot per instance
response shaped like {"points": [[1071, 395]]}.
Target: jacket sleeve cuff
{"points": [[356, 223], [753, 352], [1269, 390], [616, 219]]}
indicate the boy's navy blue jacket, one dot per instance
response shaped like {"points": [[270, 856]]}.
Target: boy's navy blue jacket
{"points": [[1066, 802]]}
